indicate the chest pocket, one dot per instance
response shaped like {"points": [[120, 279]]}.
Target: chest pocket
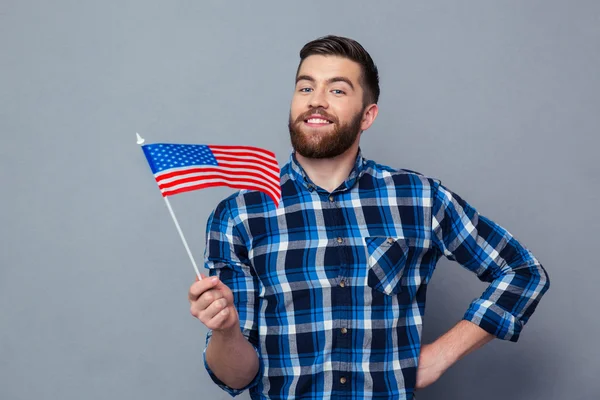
{"points": [[387, 262]]}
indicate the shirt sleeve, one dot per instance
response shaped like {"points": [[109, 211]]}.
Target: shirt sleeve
{"points": [[226, 256], [517, 279]]}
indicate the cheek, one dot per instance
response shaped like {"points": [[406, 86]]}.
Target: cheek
{"points": [[297, 107], [346, 109], [343, 113]]}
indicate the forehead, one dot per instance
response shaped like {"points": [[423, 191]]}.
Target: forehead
{"points": [[324, 67]]}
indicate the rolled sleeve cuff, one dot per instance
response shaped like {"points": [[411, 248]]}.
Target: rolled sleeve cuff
{"points": [[231, 391], [494, 320]]}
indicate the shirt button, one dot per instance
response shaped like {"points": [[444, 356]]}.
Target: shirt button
{"points": [[342, 283], [340, 240], [390, 240], [331, 199], [344, 331], [343, 380]]}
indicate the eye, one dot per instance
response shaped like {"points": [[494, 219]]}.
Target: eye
{"points": [[305, 90], [338, 91]]}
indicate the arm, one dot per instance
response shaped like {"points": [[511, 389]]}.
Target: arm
{"points": [[229, 355], [230, 308], [517, 281], [437, 357]]}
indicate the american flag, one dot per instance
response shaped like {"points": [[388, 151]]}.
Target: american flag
{"points": [[180, 168]]}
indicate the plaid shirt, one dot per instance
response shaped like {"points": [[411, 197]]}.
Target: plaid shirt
{"points": [[330, 287]]}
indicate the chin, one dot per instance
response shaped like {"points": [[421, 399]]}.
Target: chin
{"points": [[306, 130]]}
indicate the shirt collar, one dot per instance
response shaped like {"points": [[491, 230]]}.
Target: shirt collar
{"points": [[298, 173]]}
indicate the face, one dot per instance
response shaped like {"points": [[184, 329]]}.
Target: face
{"points": [[327, 112]]}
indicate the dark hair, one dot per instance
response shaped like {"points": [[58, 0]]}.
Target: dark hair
{"points": [[344, 47]]}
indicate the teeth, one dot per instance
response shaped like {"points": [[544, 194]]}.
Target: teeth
{"points": [[318, 121]]}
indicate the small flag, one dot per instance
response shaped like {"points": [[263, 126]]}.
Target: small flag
{"points": [[180, 168]]}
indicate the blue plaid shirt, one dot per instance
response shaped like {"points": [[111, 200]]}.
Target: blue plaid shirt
{"points": [[330, 287]]}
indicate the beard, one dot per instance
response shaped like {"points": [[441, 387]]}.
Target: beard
{"points": [[327, 144]]}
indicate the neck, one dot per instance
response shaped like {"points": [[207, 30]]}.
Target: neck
{"points": [[329, 173]]}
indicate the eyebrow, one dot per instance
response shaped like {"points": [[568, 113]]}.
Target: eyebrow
{"points": [[329, 81]]}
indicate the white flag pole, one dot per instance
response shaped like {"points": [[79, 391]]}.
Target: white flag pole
{"points": [[140, 141]]}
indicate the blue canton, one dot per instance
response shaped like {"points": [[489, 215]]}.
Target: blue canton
{"points": [[163, 156]]}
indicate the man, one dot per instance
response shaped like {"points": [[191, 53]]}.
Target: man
{"points": [[323, 297]]}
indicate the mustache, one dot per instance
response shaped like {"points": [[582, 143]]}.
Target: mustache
{"points": [[316, 111]]}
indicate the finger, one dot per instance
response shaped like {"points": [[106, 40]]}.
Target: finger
{"points": [[223, 288], [219, 319], [202, 286], [207, 298], [212, 310]]}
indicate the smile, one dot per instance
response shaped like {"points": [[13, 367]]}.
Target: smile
{"points": [[318, 121]]}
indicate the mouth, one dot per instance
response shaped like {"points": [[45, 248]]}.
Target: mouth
{"points": [[316, 121]]}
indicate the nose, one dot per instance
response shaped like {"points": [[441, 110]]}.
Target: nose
{"points": [[318, 99]]}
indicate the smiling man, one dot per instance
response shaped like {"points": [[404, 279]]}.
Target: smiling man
{"points": [[323, 297]]}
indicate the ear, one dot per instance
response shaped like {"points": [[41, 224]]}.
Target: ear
{"points": [[369, 116]]}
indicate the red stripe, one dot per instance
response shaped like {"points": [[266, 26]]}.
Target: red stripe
{"points": [[258, 168], [269, 160], [205, 177], [212, 169], [214, 184], [222, 160], [258, 149]]}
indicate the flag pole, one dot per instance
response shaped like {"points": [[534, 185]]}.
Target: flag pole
{"points": [[183, 238], [140, 141]]}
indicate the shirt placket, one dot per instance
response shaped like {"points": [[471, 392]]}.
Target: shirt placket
{"points": [[341, 300]]}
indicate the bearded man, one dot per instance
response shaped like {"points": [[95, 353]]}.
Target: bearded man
{"points": [[323, 296]]}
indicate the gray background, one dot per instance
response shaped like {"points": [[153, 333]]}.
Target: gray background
{"points": [[500, 100]]}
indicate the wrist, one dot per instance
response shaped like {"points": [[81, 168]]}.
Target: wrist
{"points": [[222, 340], [458, 342], [231, 333]]}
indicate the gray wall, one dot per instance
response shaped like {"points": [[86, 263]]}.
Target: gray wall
{"points": [[500, 100]]}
